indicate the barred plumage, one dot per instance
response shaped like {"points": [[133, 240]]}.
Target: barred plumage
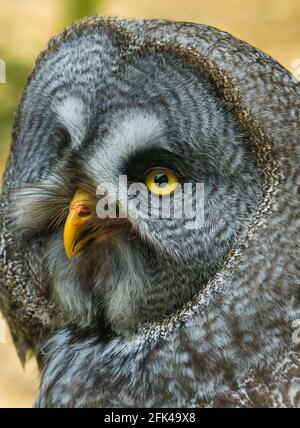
{"points": [[105, 91]]}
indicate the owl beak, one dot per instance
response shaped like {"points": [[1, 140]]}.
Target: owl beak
{"points": [[80, 218], [83, 225]]}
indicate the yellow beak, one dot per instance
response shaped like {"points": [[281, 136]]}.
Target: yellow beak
{"points": [[81, 216]]}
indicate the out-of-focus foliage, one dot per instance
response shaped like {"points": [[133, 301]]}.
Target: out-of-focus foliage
{"points": [[77, 9]]}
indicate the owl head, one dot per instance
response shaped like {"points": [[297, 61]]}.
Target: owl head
{"points": [[137, 181]]}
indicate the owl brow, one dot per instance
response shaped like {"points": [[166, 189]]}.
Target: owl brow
{"points": [[143, 160]]}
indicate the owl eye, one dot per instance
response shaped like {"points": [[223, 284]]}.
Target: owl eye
{"points": [[161, 181]]}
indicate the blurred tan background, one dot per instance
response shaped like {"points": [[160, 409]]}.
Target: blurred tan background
{"points": [[26, 26]]}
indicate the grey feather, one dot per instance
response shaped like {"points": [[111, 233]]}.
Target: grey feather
{"points": [[194, 318]]}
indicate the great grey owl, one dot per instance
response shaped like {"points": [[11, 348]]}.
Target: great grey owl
{"points": [[141, 309]]}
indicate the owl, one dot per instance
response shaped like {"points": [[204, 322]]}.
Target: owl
{"points": [[150, 220]]}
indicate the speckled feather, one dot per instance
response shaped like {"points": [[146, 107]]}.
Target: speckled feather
{"points": [[232, 344]]}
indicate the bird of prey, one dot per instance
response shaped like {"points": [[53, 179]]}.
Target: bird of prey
{"points": [[138, 306]]}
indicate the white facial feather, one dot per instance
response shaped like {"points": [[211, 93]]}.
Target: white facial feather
{"points": [[71, 114], [128, 132]]}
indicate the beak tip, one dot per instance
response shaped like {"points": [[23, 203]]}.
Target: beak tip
{"points": [[76, 222]]}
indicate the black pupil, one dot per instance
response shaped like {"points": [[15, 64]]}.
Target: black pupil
{"points": [[161, 180]]}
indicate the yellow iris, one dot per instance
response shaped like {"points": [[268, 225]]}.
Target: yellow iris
{"points": [[161, 181]]}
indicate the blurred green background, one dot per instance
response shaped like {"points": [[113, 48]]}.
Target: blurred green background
{"points": [[27, 25]]}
